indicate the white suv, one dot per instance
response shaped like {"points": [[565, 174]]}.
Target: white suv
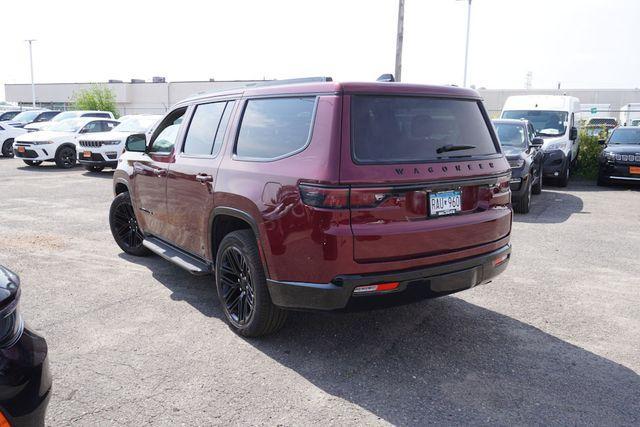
{"points": [[100, 150], [66, 115], [58, 143], [7, 134]]}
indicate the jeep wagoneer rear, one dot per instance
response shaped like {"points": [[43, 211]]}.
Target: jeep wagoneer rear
{"points": [[322, 196]]}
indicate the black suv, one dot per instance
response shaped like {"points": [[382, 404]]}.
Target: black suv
{"points": [[620, 158], [522, 149]]}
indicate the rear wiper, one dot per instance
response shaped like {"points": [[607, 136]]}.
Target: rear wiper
{"points": [[451, 147]]}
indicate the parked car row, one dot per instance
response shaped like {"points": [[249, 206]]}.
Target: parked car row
{"points": [[72, 136]]}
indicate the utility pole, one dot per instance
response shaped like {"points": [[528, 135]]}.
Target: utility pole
{"points": [[33, 86], [466, 49], [398, 73]]}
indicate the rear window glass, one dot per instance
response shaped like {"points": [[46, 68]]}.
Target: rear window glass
{"points": [[402, 129], [273, 128]]}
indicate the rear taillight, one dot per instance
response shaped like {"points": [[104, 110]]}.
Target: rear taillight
{"points": [[325, 197], [502, 185]]}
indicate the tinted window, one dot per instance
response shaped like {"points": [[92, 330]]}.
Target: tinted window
{"points": [[625, 136], [275, 127], [511, 135], [203, 128], [167, 132], [92, 127], [8, 115], [397, 129], [45, 117], [546, 123], [217, 145], [103, 115], [108, 126]]}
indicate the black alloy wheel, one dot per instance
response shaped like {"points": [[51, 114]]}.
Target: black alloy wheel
{"points": [[124, 226], [237, 288], [242, 287], [66, 157]]}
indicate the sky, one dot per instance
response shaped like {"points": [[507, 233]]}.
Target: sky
{"points": [[578, 43]]}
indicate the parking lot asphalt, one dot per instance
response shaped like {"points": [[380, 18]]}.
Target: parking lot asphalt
{"points": [[553, 341]]}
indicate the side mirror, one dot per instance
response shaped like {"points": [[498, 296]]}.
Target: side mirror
{"points": [[136, 143], [573, 133], [601, 141], [537, 142]]}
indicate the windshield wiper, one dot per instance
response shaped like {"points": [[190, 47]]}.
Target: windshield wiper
{"points": [[451, 147]]}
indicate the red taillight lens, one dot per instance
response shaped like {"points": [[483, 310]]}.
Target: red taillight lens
{"points": [[325, 197], [381, 287], [502, 186]]}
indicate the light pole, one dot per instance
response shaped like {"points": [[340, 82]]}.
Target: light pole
{"points": [[33, 86], [400, 35], [466, 48]]}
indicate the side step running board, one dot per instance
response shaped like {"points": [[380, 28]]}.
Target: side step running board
{"points": [[180, 258]]}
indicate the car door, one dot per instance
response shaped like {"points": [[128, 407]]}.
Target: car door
{"points": [[149, 175], [191, 178]]}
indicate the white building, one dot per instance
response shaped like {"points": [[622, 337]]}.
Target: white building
{"points": [[131, 97]]}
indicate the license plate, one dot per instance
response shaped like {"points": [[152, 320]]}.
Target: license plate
{"points": [[445, 203], [20, 149], [634, 169], [87, 154]]}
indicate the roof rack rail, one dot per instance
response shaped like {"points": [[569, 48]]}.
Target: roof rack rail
{"points": [[291, 81]]}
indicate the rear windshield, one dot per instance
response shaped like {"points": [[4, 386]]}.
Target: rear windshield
{"points": [[403, 129]]}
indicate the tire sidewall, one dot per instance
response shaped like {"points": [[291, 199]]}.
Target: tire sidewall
{"points": [[7, 148], [58, 158], [241, 240], [120, 199]]}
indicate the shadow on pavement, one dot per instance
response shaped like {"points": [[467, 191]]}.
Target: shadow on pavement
{"points": [[551, 207], [106, 174], [442, 361]]}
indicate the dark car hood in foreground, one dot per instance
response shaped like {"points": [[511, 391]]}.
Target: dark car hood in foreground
{"points": [[623, 149]]}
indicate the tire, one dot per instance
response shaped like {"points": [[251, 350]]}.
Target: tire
{"points": [[524, 204], [124, 226], [33, 162], [94, 168], [563, 181], [7, 148], [537, 188], [65, 157], [242, 287]]}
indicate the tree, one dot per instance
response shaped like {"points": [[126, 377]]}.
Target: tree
{"points": [[96, 98]]}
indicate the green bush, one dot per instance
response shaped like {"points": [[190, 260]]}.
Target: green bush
{"points": [[590, 149], [96, 98]]}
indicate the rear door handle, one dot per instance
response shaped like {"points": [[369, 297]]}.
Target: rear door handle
{"points": [[204, 178], [160, 172]]}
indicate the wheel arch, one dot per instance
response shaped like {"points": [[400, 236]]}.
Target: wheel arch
{"points": [[64, 144], [224, 220]]}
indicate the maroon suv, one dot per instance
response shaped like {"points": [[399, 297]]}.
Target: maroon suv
{"points": [[322, 195]]}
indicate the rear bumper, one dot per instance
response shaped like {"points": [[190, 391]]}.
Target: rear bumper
{"points": [[416, 284]]}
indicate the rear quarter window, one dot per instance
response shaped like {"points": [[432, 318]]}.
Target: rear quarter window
{"points": [[275, 128], [404, 129]]}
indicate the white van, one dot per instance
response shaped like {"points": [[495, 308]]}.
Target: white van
{"points": [[555, 120], [629, 113]]}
